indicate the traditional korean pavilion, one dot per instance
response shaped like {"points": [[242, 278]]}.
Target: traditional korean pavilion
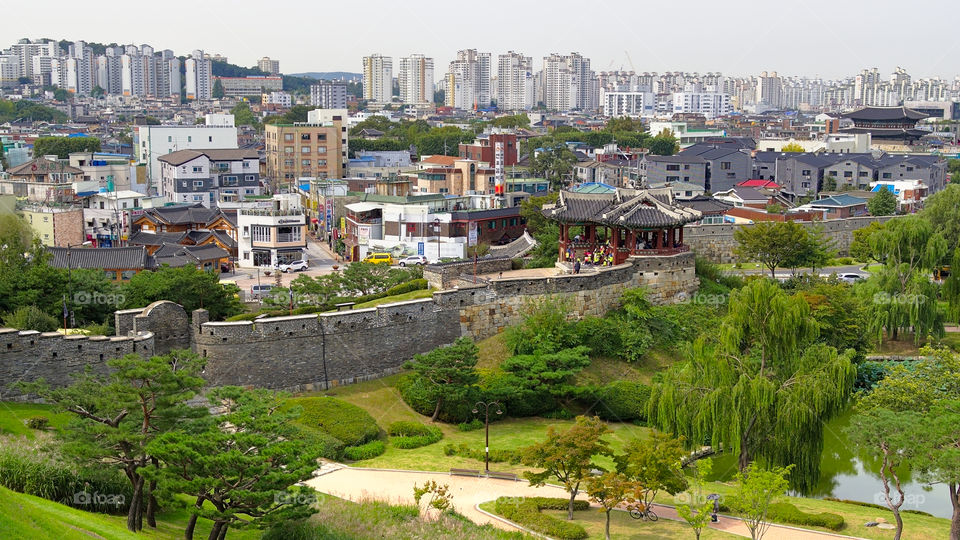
{"points": [[886, 124], [628, 222]]}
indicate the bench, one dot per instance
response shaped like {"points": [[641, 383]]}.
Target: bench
{"points": [[345, 305], [503, 476], [464, 472]]}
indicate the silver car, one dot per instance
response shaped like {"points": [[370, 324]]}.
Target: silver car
{"points": [[412, 260]]}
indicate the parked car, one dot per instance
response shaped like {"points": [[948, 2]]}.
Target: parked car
{"points": [[379, 258], [296, 266], [412, 260], [850, 277]]}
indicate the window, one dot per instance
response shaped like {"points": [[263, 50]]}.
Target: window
{"points": [[261, 233], [198, 183], [909, 168], [321, 137], [189, 138], [887, 175], [251, 178], [321, 149], [305, 162], [287, 149], [127, 274], [246, 164], [673, 179], [288, 163], [169, 138], [246, 255], [210, 139], [124, 205], [848, 174], [731, 175], [725, 165], [862, 174], [246, 231], [290, 234], [805, 172], [686, 167], [673, 167], [492, 224], [304, 136], [248, 191], [832, 173], [321, 163], [288, 136], [229, 180], [198, 169], [304, 149]]}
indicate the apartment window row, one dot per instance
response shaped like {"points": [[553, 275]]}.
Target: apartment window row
{"points": [[260, 233]]}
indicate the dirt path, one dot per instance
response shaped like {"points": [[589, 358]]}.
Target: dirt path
{"points": [[397, 487]]}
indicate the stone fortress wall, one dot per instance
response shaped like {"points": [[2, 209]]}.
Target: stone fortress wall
{"points": [[715, 242], [308, 352]]}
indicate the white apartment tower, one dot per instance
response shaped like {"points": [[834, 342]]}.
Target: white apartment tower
{"points": [[268, 66], [80, 70], [378, 78], [515, 86], [568, 83], [199, 76], [25, 50], [468, 80], [416, 79]]}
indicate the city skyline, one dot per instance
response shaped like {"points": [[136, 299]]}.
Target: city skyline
{"points": [[823, 40]]}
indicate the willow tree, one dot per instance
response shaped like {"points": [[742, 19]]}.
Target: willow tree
{"points": [[901, 297], [764, 391]]}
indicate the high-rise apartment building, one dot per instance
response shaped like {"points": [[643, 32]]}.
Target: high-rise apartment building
{"points": [[199, 76], [416, 80], [468, 80], [568, 83], [80, 72], [769, 91], [329, 94], [378, 78], [25, 50], [515, 82], [268, 66]]}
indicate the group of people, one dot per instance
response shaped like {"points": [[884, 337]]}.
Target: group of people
{"points": [[603, 256]]}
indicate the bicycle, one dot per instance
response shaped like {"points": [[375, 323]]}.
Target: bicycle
{"points": [[646, 513]]}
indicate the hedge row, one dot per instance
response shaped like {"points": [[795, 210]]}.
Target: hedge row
{"points": [[784, 512], [409, 286], [526, 512], [409, 435], [877, 506], [348, 423], [496, 455], [324, 444], [369, 450]]}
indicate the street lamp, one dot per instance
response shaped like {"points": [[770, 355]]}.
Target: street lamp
{"points": [[436, 229], [486, 423]]}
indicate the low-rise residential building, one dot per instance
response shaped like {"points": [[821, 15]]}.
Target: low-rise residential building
{"points": [[55, 225], [250, 86], [305, 150], [154, 142], [485, 147], [685, 134], [108, 216], [106, 171], [804, 173], [271, 236], [208, 176], [42, 180], [838, 206], [910, 193]]}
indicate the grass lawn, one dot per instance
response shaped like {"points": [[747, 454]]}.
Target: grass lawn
{"points": [[622, 526], [26, 516], [14, 414]]}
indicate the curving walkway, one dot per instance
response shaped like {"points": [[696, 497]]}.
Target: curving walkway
{"points": [[397, 487]]}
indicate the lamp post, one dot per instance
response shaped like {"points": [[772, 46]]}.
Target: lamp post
{"points": [[486, 423], [436, 229]]}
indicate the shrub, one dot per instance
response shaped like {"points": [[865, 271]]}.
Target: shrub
{"points": [[472, 425], [497, 455], [602, 336], [526, 512], [369, 450], [25, 468], [348, 423], [877, 506], [623, 401], [784, 512], [324, 444], [408, 435], [410, 286], [516, 264], [30, 318], [559, 414], [38, 422], [421, 396]]}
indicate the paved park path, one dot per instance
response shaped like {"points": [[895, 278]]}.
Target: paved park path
{"points": [[397, 487]]}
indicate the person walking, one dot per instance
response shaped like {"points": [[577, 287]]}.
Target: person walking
{"points": [[576, 267]]}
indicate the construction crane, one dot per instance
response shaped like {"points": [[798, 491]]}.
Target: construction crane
{"points": [[631, 61]]}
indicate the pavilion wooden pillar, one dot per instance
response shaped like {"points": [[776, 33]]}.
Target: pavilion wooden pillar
{"points": [[656, 239], [681, 236]]}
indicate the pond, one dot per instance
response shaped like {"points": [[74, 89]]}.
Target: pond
{"points": [[846, 475]]}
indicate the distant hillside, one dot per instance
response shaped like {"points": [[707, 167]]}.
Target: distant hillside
{"points": [[330, 75]]}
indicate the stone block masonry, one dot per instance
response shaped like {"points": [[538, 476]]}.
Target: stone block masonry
{"points": [[314, 352], [716, 243]]}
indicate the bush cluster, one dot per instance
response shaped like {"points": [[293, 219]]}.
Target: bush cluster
{"points": [[322, 443], [472, 425], [368, 450], [622, 401], [877, 506], [348, 423], [421, 395], [30, 471], [526, 512], [497, 455], [784, 512], [409, 435], [38, 422]]}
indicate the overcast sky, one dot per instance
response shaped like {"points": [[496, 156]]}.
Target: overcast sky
{"points": [[829, 39]]}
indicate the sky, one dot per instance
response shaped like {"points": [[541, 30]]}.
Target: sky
{"points": [[828, 39]]}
